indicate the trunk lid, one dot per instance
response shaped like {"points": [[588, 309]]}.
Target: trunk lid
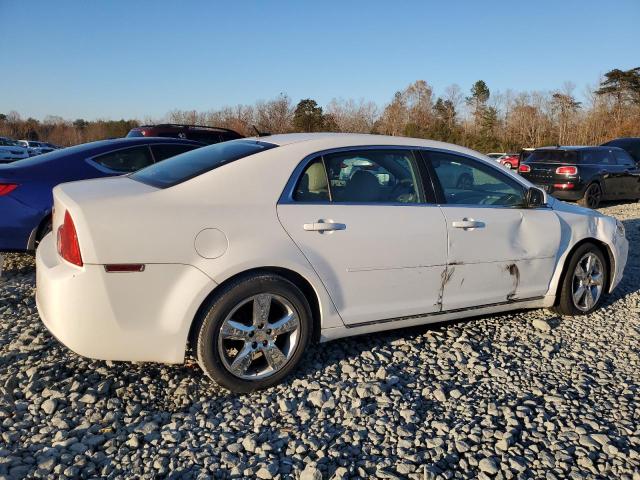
{"points": [[102, 209]]}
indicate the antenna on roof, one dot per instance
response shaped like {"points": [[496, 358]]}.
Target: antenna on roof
{"points": [[259, 133]]}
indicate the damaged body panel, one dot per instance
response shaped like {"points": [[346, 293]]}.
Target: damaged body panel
{"points": [[511, 256]]}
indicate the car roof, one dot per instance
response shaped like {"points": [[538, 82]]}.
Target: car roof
{"points": [[574, 147], [315, 142], [179, 126], [621, 140], [139, 140]]}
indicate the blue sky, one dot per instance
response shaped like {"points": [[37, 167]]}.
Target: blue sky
{"points": [[99, 59]]}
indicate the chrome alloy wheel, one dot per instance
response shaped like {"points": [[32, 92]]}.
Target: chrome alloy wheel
{"points": [[259, 336], [588, 279]]}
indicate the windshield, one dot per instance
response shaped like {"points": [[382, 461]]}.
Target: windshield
{"points": [[553, 156], [188, 165], [135, 133]]}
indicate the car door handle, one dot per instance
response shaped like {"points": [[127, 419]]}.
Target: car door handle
{"points": [[467, 223], [324, 226]]}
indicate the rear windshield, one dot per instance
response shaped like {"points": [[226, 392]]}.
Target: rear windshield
{"points": [[553, 156], [188, 165]]}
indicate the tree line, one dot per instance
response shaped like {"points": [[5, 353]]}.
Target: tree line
{"points": [[479, 119]]}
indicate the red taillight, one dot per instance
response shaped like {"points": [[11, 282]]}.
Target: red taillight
{"points": [[524, 168], [567, 170], [564, 186], [68, 246], [7, 188]]}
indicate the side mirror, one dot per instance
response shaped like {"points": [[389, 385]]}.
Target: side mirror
{"points": [[534, 198]]}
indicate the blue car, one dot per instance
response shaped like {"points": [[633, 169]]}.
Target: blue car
{"points": [[25, 185]]}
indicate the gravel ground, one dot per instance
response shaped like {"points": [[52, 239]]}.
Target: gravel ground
{"points": [[523, 395]]}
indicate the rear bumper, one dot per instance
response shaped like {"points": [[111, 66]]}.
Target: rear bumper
{"points": [[143, 316]]}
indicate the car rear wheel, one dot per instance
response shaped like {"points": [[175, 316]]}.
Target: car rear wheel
{"points": [[584, 282], [254, 333], [592, 196]]}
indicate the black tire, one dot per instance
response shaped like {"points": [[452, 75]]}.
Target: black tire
{"points": [[223, 303], [592, 196], [565, 304]]}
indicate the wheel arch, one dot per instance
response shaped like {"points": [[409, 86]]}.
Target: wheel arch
{"points": [[294, 277], [36, 233], [608, 258]]}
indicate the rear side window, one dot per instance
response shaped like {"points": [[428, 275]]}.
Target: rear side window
{"points": [[313, 185], [623, 158], [367, 176], [179, 169], [126, 160], [553, 156], [162, 152], [596, 157]]}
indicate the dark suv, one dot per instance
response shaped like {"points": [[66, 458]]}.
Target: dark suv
{"points": [[587, 175], [198, 133]]}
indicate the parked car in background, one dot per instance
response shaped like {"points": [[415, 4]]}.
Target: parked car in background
{"points": [[203, 134], [247, 250], [587, 175], [25, 185], [630, 144], [496, 156], [10, 151], [36, 148], [510, 161], [524, 154]]}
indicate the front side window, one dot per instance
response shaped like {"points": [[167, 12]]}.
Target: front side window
{"points": [[468, 182], [126, 160]]}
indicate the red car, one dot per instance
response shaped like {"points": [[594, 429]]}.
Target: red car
{"points": [[511, 160]]}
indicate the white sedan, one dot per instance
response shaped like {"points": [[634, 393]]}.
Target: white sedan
{"points": [[245, 251]]}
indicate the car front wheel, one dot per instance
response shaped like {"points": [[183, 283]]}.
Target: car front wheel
{"points": [[254, 333], [584, 282]]}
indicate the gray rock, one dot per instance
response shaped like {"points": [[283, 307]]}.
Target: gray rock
{"points": [[311, 472], [541, 325], [49, 406], [488, 466]]}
